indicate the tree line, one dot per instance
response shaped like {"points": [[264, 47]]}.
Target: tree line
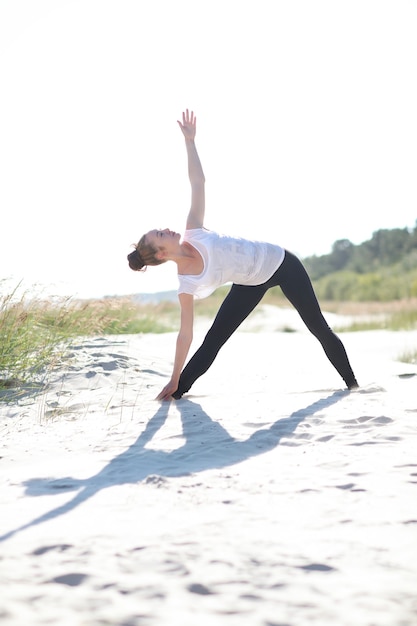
{"points": [[382, 268]]}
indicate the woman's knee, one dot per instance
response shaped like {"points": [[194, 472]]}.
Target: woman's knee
{"points": [[319, 327]]}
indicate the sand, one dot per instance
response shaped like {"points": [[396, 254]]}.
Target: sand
{"points": [[268, 496]]}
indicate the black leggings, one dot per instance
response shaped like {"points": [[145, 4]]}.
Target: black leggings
{"points": [[241, 300]]}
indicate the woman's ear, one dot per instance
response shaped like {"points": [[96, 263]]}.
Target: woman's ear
{"points": [[160, 255]]}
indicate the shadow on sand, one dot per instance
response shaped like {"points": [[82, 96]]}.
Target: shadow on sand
{"points": [[207, 446]]}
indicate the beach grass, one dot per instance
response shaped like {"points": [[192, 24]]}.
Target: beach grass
{"points": [[408, 356], [35, 332]]}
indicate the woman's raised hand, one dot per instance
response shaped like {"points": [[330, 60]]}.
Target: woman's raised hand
{"points": [[188, 125]]}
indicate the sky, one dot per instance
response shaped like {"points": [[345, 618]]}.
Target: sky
{"points": [[306, 129]]}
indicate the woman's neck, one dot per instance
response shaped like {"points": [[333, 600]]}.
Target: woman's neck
{"points": [[191, 261]]}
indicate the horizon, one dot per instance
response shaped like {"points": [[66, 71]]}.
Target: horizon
{"points": [[168, 289]]}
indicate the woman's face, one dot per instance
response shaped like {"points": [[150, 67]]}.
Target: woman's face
{"points": [[162, 239]]}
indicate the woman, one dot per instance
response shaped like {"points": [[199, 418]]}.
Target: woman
{"points": [[206, 260]]}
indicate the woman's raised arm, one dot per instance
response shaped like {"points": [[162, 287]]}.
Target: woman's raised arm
{"points": [[188, 127]]}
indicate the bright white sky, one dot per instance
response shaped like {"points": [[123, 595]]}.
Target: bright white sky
{"points": [[307, 128]]}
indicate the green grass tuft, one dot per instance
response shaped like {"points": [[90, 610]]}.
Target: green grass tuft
{"points": [[35, 333]]}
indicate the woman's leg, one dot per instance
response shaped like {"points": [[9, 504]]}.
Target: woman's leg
{"points": [[296, 285], [237, 305]]}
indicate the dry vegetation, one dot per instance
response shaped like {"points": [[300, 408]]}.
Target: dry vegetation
{"points": [[34, 332]]}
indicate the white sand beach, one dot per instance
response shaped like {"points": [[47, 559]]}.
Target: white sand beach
{"points": [[268, 496]]}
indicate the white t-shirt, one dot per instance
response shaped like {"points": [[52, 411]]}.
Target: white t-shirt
{"points": [[228, 259]]}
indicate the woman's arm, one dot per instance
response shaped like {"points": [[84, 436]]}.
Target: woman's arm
{"points": [[184, 339], [188, 126]]}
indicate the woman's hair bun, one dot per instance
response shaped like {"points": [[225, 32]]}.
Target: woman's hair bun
{"points": [[135, 261]]}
